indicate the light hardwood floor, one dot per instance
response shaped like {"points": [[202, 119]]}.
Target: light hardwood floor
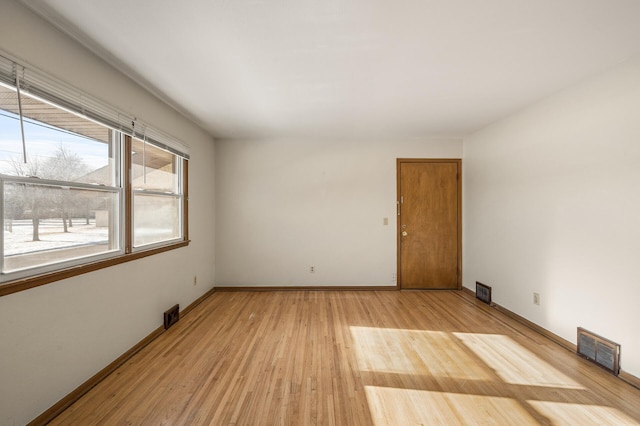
{"points": [[353, 358]]}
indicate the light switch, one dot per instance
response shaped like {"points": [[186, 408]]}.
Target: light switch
{"points": [[385, 221]]}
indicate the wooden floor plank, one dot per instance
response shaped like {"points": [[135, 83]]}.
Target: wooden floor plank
{"points": [[353, 358]]}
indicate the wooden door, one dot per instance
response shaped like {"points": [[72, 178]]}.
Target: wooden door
{"points": [[429, 224]]}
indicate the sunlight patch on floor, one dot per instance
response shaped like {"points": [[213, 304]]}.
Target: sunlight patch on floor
{"points": [[391, 406], [513, 363], [562, 413], [418, 352]]}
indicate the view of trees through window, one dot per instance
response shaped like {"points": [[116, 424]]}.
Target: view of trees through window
{"points": [[62, 202]]}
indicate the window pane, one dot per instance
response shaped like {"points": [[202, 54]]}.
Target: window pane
{"points": [[156, 218], [59, 144], [153, 169], [44, 224]]}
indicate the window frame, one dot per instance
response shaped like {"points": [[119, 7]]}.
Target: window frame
{"points": [[176, 194], [44, 274]]}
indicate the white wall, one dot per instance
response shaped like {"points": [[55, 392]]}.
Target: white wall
{"points": [[552, 205], [285, 205], [56, 336]]}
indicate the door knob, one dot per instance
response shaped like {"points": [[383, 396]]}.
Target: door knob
{"points": [[404, 233]]}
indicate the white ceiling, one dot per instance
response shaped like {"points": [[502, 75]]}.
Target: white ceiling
{"points": [[384, 69]]}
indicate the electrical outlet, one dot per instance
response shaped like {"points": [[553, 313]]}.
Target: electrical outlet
{"points": [[536, 299], [312, 269], [394, 277]]}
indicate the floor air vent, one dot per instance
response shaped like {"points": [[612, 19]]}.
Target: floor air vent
{"points": [[171, 316], [483, 292], [597, 349]]}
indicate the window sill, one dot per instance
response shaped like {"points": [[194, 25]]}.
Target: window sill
{"points": [[38, 280]]}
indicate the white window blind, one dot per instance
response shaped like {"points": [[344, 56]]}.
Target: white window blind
{"points": [[61, 94]]}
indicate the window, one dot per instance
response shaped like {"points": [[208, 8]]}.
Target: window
{"points": [[81, 186], [61, 191], [157, 195]]}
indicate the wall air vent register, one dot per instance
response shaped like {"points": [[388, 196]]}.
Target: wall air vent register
{"points": [[483, 293], [599, 350]]}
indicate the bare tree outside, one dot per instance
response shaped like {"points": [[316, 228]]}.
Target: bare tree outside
{"points": [[64, 165], [31, 199]]}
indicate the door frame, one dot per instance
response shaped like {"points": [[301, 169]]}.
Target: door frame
{"points": [[399, 162]]}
